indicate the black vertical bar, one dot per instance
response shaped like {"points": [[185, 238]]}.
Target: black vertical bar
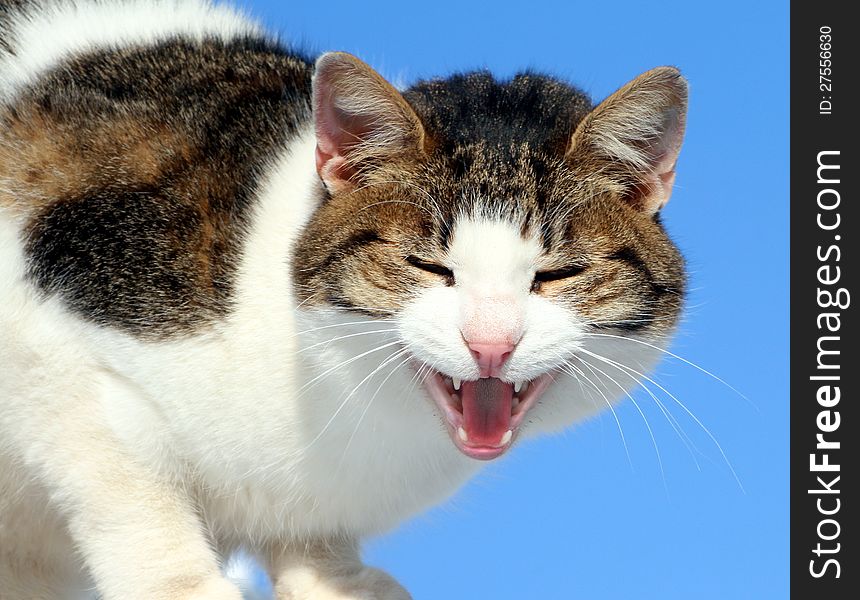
{"points": [[825, 243]]}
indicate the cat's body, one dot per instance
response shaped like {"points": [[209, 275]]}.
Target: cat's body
{"points": [[230, 296]]}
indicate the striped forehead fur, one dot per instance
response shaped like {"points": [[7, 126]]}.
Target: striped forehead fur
{"points": [[530, 108]]}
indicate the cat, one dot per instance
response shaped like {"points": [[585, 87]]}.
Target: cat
{"points": [[253, 299]]}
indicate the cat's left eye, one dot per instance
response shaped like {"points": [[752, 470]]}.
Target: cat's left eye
{"points": [[556, 275], [434, 268]]}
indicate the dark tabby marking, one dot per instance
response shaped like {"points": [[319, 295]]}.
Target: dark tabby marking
{"points": [[140, 166]]}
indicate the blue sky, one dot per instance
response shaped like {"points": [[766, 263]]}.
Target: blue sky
{"points": [[571, 517]]}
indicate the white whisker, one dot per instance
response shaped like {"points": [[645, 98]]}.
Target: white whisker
{"points": [[579, 373], [365, 322], [390, 358], [673, 422], [679, 403], [343, 364], [670, 418], [372, 398], [673, 355], [343, 337], [639, 409]]}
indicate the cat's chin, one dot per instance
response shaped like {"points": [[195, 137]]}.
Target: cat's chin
{"points": [[484, 417]]}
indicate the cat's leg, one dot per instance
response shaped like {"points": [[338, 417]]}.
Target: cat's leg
{"points": [[329, 570], [137, 535], [38, 560], [45, 566]]}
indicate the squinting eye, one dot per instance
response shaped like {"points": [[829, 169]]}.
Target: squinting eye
{"points": [[429, 267], [556, 275]]}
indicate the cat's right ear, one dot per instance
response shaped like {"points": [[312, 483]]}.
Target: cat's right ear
{"points": [[635, 136], [361, 121]]}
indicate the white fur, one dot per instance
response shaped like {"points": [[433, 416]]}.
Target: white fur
{"points": [[62, 29], [263, 440], [493, 267], [294, 431]]}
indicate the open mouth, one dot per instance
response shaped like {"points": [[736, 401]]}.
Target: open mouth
{"points": [[483, 417]]}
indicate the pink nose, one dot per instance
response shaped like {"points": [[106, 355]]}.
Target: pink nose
{"points": [[490, 356]]}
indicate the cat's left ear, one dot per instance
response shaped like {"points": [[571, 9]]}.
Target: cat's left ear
{"points": [[361, 121], [636, 134]]}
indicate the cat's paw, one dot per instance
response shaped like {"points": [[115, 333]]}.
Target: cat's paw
{"points": [[370, 584], [365, 584]]}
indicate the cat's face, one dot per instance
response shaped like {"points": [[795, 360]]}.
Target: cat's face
{"points": [[500, 230]]}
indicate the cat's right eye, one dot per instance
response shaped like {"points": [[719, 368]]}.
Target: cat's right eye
{"points": [[434, 268]]}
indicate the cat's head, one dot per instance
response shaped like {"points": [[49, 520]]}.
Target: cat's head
{"points": [[510, 229]]}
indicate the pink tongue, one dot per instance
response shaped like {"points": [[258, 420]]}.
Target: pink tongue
{"points": [[486, 410]]}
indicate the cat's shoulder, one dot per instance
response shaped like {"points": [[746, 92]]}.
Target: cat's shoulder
{"points": [[135, 136]]}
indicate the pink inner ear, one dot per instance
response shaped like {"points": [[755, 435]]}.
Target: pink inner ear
{"points": [[662, 176], [663, 190], [360, 120], [332, 169], [336, 133]]}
